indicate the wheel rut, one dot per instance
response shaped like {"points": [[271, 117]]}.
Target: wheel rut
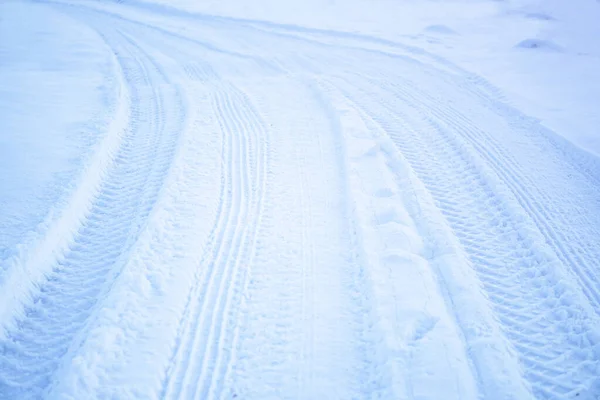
{"points": [[203, 356], [61, 307], [526, 286]]}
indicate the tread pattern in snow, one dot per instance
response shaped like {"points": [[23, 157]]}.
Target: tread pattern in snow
{"points": [[67, 298], [524, 284], [203, 355]]}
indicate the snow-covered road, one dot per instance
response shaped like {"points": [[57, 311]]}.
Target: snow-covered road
{"points": [[276, 212]]}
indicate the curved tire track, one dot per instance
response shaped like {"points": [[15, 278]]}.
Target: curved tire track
{"points": [[575, 251], [527, 290], [60, 310], [208, 338]]}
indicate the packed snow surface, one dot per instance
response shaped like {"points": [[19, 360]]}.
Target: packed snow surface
{"points": [[300, 199]]}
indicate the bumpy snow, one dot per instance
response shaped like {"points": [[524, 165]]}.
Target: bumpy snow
{"points": [[299, 200]]}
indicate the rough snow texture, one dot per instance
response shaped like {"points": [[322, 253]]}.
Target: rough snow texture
{"points": [[223, 201]]}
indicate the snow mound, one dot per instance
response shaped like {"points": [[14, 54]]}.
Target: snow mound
{"points": [[539, 16], [539, 44], [442, 29]]}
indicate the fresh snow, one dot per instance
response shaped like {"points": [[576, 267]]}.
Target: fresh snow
{"points": [[385, 199]]}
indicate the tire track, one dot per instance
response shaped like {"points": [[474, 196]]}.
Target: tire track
{"points": [[524, 284], [199, 367], [576, 249], [180, 360], [397, 198], [60, 310], [257, 165], [203, 359], [260, 186], [302, 333], [575, 252], [220, 274]]}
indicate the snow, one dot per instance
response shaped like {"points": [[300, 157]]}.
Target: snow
{"points": [[303, 199], [47, 66], [560, 90]]}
